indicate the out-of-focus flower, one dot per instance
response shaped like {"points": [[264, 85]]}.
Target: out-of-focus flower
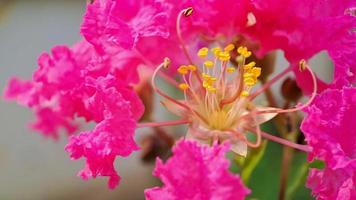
{"points": [[120, 24], [197, 171], [77, 82], [329, 130]]}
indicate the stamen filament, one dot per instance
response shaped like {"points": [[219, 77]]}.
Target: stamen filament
{"points": [[282, 141], [315, 89], [154, 86], [270, 83], [186, 12]]}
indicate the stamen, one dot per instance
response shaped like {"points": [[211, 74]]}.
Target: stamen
{"points": [[186, 12], [282, 141], [270, 83], [315, 88], [165, 64]]}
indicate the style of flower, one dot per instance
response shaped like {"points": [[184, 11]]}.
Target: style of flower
{"points": [[196, 172]]}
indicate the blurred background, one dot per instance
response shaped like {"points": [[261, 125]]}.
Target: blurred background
{"points": [[32, 167]]}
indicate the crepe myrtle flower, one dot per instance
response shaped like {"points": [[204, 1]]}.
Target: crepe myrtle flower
{"points": [[95, 80], [217, 104]]}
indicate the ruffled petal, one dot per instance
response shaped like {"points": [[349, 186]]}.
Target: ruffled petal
{"points": [[197, 171]]}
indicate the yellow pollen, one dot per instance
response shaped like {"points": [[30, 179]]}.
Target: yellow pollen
{"points": [[244, 93], [183, 86], [192, 68], [211, 89], [250, 81], [256, 71], [205, 76], [244, 51], [203, 52], [249, 65], [216, 50], [208, 64], [183, 70], [230, 69], [229, 47], [224, 56]]}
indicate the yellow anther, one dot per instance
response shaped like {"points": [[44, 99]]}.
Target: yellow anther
{"points": [[206, 84], [247, 54], [192, 68], [229, 47], [250, 81], [216, 50], [183, 86], [248, 75], [209, 64], [203, 52], [230, 69], [244, 51], [241, 49], [188, 11], [244, 93], [249, 65], [213, 79], [224, 56], [211, 89], [256, 71], [205, 76], [166, 62], [302, 65], [183, 70]]}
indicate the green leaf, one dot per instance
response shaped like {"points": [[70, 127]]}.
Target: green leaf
{"points": [[253, 158]]}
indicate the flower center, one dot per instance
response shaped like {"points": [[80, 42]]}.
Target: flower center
{"points": [[219, 94]]}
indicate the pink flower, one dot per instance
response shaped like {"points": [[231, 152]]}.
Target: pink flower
{"points": [[197, 171], [78, 82], [120, 24], [329, 130]]}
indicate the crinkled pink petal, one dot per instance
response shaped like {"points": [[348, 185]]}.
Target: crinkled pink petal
{"points": [[343, 54], [328, 184], [197, 171], [112, 136], [49, 123], [329, 128], [301, 28], [105, 27]]}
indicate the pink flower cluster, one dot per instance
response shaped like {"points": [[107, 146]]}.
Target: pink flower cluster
{"points": [[197, 172], [94, 80], [77, 82]]}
